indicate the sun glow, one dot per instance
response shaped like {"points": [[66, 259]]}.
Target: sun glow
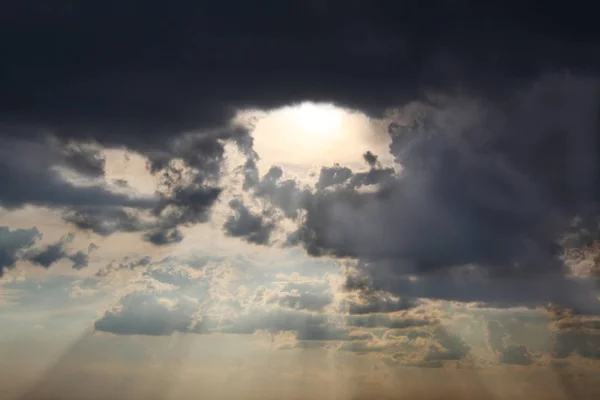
{"points": [[320, 122], [306, 135]]}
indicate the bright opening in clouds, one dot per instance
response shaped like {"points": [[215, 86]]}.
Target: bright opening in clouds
{"points": [[309, 135], [299, 200]]}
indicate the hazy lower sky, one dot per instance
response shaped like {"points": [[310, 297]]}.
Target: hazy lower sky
{"points": [[299, 200]]}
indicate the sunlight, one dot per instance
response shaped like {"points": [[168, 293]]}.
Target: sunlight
{"points": [[318, 122], [306, 135]]}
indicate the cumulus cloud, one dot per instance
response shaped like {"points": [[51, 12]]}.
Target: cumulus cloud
{"points": [[148, 314], [476, 204], [18, 244]]}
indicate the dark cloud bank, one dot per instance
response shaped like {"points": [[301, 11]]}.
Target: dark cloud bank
{"points": [[496, 162]]}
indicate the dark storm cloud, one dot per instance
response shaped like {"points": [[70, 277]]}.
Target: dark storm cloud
{"points": [[485, 195], [55, 252], [540, 290], [494, 187], [13, 242], [142, 74], [122, 72]]}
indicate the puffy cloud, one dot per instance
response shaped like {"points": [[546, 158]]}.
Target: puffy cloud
{"points": [[149, 314], [17, 245], [431, 350], [13, 243], [476, 212], [247, 225], [54, 252], [379, 302], [308, 296]]}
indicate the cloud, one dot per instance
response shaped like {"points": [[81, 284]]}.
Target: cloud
{"points": [[307, 326], [123, 90], [148, 314], [55, 252], [245, 224], [577, 335], [308, 296], [84, 158], [125, 265], [374, 302], [430, 350], [382, 320], [13, 243], [507, 353], [105, 221], [476, 211], [30, 174]]}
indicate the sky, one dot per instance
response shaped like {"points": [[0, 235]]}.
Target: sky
{"points": [[299, 200]]}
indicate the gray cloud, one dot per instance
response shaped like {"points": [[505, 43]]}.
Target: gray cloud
{"points": [[442, 346], [105, 221], [13, 243], [244, 224], [382, 320], [55, 252], [84, 158], [476, 203], [508, 353], [126, 264], [146, 314], [123, 90], [373, 302], [307, 326]]}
